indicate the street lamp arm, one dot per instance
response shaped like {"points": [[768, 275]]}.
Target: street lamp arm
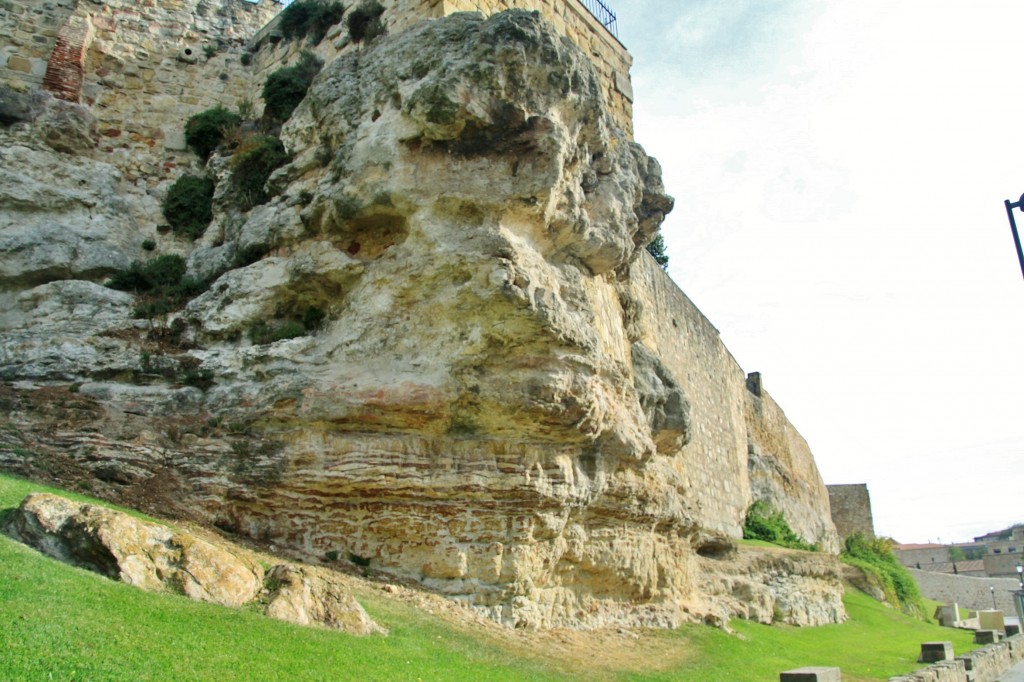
{"points": [[1013, 228]]}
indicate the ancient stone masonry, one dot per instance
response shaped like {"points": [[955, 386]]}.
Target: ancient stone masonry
{"points": [[851, 509], [141, 67], [502, 398]]}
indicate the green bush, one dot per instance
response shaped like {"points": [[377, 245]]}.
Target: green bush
{"points": [[263, 333], [206, 130], [765, 523], [189, 205], [364, 22], [162, 283], [878, 562], [256, 158], [286, 87], [310, 18], [656, 248]]}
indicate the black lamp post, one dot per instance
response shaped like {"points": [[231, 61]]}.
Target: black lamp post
{"points": [[1013, 226]]}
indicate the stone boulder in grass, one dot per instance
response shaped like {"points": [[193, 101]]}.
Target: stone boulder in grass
{"points": [[157, 558]]}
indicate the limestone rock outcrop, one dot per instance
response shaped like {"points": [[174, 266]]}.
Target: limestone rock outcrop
{"points": [[156, 558], [143, 554], [307, 595], [493, 390]]}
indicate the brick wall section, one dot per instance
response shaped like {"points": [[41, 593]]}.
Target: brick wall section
{"points": [[65, 69], [851, 509], [28, 33]]}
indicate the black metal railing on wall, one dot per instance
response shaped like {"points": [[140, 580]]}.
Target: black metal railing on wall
{"points": [[602, 13]]}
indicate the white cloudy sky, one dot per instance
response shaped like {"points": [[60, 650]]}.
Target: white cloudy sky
{"points": [[839, 169]]}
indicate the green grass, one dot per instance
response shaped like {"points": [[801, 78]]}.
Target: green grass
{"points": [[876, 644], [64, 623]]}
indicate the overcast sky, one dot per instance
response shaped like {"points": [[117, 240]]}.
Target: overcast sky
{"points": [[839, 170]]}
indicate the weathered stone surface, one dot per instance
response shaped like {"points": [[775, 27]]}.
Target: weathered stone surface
{"points": [[57, 330], [773, 585], [306, 595], [61, 218], [143, 554], [505, 400]]}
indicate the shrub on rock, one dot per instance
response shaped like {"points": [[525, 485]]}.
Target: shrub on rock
{"points": [[257, 157], [189, 205], [207, 129], [286, 87]]}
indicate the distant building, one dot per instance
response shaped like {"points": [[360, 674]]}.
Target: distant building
{"points": [[1004, 550], [924, 556]]}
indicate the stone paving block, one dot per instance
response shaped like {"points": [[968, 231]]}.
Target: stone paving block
{"points": [[933, 652], [812, 674], [986, 636]]}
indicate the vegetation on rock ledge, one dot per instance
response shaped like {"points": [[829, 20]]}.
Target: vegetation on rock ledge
{"points": [[256, 158], [286, 87], [364, 22], [310, 19], [161, 282], [207, 129], [189, 205], [875, 558], [768, 524]]}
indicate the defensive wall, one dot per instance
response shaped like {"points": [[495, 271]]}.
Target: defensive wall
{"points": [[744, 447], [968, 592], [851, 509]]}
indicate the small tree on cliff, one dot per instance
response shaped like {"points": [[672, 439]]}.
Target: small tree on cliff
{"points": [[656, 248]]}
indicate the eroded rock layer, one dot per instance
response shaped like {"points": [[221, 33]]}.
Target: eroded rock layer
{"points": [[502, 397]]}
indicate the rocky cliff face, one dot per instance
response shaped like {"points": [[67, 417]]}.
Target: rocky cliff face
{"points": [[493, 403]]}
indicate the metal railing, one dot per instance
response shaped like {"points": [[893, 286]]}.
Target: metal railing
{"points": [[602, 13]]}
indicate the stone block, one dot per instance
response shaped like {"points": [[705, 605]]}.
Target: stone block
{"points": [[986, 636], [812, 674], [19, 63], [933, 652], [991, 620], [948, 616], [1011, 629]]}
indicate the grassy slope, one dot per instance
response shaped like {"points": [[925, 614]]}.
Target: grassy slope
{"points": [[78, 625]]}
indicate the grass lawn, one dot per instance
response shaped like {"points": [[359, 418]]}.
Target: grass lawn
{"points": [[64, 623]]}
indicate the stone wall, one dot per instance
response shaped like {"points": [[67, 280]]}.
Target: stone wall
{"points": [[971, 593], [142, 69], [851, 509], [745, 448], [986, 664]]}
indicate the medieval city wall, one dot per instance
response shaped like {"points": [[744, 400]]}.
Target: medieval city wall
{"points": [[851, 509], [743, 447]]}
